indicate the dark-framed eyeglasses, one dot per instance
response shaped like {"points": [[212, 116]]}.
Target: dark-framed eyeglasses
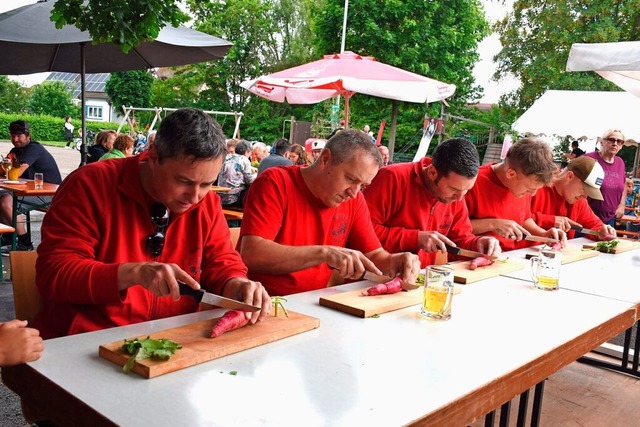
{"points": [[614, 140], [155, 240]]}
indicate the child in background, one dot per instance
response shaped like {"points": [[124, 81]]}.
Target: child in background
{"points": [[632, 200]]}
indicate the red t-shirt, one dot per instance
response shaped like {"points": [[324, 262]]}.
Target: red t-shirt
{"points": [[280, 207], [547, 204], [489, 198], [401, 206]]}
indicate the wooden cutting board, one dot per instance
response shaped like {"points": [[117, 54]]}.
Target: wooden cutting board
{"points": [[198, 347], [571, 253], [353, 302], [463, 275], [624, 246]]}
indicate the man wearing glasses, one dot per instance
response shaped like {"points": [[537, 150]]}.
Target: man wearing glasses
{"points": [[114, 257], [613, 187]]}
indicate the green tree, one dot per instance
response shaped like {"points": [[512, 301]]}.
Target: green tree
{"points": [[51, 98], [537, 36], [130, 88], [124, 22], [12, 96]]}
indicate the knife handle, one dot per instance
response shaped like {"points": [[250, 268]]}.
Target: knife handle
{"points": [[186, 290]]}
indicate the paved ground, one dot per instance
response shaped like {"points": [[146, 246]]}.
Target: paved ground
{"points": [[68, 161]]}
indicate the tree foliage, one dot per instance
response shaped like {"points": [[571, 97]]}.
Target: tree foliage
{"points": [[130, 88], [12, 95], [51, 98], [124, 22], [537, 36]]}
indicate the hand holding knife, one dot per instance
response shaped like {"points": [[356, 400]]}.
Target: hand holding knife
{"points": [[213, 299], [468, 253]]}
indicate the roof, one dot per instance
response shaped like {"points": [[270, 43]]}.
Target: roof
{"points": [[93, 82], [581, 114]]}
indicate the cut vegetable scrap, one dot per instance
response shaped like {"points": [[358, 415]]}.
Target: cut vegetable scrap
{"points": [[277, 302], [607, 246], [148, 348], [481, 261]]}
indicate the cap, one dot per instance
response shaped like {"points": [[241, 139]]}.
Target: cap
{"points": [[318, 144], [590, 173], [18, 127]]}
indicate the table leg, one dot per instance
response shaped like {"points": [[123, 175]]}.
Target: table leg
{"points": [[624, 361], [14, 223]]}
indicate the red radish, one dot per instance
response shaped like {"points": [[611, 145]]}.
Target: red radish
{"points": [[557, 246], [391, 287], [609, 237], [481, 261], [232, 319]]}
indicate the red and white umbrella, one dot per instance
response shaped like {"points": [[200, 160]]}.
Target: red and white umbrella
{"points": [[346, 74]]}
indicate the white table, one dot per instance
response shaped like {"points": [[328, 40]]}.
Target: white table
{"points": [[504, 337]]}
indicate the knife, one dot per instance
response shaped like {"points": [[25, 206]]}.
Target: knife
{"points": [[213, 299], [540, 239], [468, 253], [367, 275], [584, 230]]}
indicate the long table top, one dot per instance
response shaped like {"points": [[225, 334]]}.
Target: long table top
{"points": [[609, 275], [397, 369]]}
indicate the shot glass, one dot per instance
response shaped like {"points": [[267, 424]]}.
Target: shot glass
{"points": [[38, 181], [438, 293]]}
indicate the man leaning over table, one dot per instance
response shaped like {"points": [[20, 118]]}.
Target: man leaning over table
{"points": [[115, 257], [301, 222], [564, 203], [419, 207], [33, 158], [500, 201]]}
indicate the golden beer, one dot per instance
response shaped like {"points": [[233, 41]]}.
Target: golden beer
{"points": [[438, 293]]}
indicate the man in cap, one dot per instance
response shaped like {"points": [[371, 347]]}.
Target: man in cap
{"points": [[564, 204], [436, 213], [316, 148], [33, 158]]}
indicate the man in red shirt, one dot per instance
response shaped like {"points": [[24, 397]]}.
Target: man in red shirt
{"points": [[500, 202], [115, 256], [301, 221], [564, 203], [419, 207]]}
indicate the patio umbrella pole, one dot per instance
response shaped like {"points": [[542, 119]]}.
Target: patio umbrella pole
{"points": [[83, 146]]}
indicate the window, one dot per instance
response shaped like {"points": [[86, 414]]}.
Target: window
{"points": [[94, 113]]}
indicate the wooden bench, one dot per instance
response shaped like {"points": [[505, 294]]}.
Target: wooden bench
{"points": [[231, 215]]}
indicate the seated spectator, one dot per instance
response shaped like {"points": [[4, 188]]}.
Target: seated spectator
{"points": [[231, 145], [631, 200], [18, 343], [115, 271], [500, 201], [564, 203], [122, 147], [258, 152], [236, 174], [103, 143], [384, 152], [301, 222], [298, 155], [33, 158], [277, 157]]}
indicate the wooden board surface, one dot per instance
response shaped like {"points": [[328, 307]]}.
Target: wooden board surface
{"points": [[624, 245], [463, 275], [198, 347], [353, 302], [571, 253]]}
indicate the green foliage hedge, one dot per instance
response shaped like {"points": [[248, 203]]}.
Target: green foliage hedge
{"points": [[48, 128]]}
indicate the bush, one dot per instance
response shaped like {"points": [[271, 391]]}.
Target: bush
{"points": [[48, 128]]}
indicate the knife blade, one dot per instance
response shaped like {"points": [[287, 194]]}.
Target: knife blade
{"points": [[468, 253], [540, 239], [213, 299], [377, 278], [584, 230]]}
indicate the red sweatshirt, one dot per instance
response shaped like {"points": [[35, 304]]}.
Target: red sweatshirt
{"points": [[489, 198], [100, 219], [547, 204], [401, 207]]}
